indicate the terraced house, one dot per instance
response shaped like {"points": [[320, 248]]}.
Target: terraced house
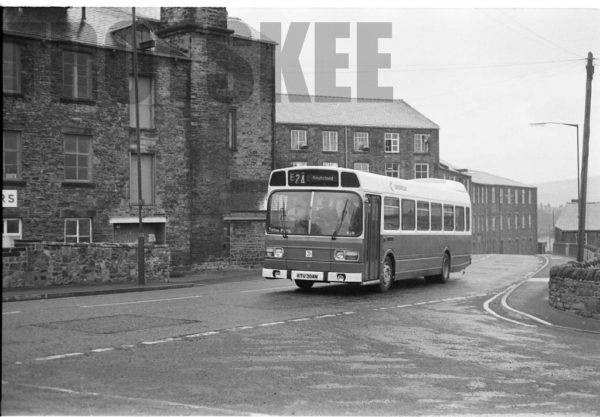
{"points": [[206, 103]]}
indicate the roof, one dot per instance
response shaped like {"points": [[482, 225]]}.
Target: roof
{"points": [[485, 178], [568, 220], [337, 111], [99, 28]]}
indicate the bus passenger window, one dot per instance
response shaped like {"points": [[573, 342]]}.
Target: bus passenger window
{"points": [[408, 214], [436, 216], [422, 215], [448, 217], [468, 218], [391, 213], [460, 219]]}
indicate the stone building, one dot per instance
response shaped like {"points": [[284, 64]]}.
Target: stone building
{"points": [[206, 116], [504, 215], [566, 229], [380, 136]]}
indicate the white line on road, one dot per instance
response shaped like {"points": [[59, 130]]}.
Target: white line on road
{"points": [[54, 357], [266, 289], [6, 313], [210, 410], [539, 279], [141, 301]]}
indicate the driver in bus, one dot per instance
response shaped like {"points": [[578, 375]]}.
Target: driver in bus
{"points": [[297, 214]]}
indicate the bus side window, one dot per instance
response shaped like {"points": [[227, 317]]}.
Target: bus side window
{"points": [[408, 214], [436, 216], [460, 219], [391, 213], [422, 215], [468, 219], [448, 217]]}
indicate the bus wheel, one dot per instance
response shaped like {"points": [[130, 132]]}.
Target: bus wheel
{"points": [[444, 275], [386, 278], [302, 284]]}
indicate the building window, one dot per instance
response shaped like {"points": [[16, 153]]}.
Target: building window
{"points": [[78, 158], [146, 102], [421, 143], [392, 142], [298, 139], [421, 170], [508, 222], [147, 163], [500, 221], [11, 230], [232, 129], [330, 141], [493, 223], [516, 221], [330, 164], [11, 154], [11, 68], [529, 221], [392, 170], [508, 196], [299, 163], [77, 75], [530, 197], [361, 141], [501, 195], [516, 196], [78, 230], [361, 166], [493, 195]]}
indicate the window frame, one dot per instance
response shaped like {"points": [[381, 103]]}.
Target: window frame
{"points": [[133, 197], [361, 137], [232, 129], [360, 166], [421, 143], [17, 152], [147, 109], [77, 234], [391, 213], [13, 51], [330, 137], [417, 170], [391, 142], [72, 91], [89, 156], [298, 136], [390, 170]]}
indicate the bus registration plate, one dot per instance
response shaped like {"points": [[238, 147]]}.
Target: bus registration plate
{"points": [[307, 275]]}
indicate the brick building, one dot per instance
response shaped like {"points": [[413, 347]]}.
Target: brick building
{"points": [[206, 94], [504, 215], [380, 136]]}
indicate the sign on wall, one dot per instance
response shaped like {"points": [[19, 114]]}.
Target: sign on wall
{"points": [[9, 198]]}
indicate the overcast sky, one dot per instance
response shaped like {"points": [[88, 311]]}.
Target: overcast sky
{"points": [[483, 75]]}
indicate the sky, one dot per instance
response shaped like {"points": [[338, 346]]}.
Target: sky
{"points": [[483, 75]]}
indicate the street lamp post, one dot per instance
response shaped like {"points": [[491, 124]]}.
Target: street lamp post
{"points": [[576, 126]]}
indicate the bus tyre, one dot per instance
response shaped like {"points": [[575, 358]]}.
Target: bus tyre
{"points": [[444, 275], [386, 277], [302, 284]]}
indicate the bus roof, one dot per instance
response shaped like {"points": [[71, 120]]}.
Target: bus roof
{"points": [[424, 188]]}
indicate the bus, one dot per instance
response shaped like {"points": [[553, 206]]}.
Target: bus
{"points": [[338, 225]]}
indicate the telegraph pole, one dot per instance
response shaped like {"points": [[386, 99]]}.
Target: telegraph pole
{"points": [[141, 277], [584, 163]]}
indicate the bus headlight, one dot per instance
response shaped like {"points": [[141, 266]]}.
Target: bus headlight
{"points": [[346, 255], [274, 252]]}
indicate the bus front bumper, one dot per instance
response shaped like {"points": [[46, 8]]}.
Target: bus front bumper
{"points": [[316, 276]]}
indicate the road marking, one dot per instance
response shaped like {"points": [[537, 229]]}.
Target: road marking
{"points": [[100, 350], [266, 289], [54, 357], [273, 323], [6, 313], [539, 279], [140, 301], [210, 410]]}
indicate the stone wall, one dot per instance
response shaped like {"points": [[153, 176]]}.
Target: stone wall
{"points": [[575, 287], [49, 264], [247, 243]]}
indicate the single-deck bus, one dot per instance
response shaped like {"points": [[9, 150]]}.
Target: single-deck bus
{"points": [[342, 225]]}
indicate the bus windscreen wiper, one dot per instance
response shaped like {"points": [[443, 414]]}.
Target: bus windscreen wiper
{"points": [[338, 227]]}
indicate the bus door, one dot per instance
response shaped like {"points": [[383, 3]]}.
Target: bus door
{"points": [[372, 236]]}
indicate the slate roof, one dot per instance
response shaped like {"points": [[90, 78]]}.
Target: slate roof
{"points": [[485, 178], [569, 217], [99, 28], [333, 111]]}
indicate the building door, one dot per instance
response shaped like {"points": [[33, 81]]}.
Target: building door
{"points": [[372, 236]]}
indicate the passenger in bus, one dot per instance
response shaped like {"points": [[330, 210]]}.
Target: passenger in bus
{"points": [[298, 215]]}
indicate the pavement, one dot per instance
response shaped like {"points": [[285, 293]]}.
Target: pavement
{"points": [[527, 303]]}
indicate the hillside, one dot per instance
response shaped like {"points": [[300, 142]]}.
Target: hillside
{"points": [[558, 193]]}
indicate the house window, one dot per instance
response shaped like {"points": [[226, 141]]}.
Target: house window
{"points": [[298, 139], [421, 143], [77, 75], [493, 195], [299, 163], [361, 141], [11, 68], [11, 230], [516, 196], [78, 230], [330, 164], [11, 154], [232, 129], [361, 166], [392, 170], [421, 170], [392, 142], [330, 142], [146, 102], [78, 158], [147, 163]]}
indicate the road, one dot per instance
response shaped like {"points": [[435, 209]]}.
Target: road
{"points": [[265, 347]]}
